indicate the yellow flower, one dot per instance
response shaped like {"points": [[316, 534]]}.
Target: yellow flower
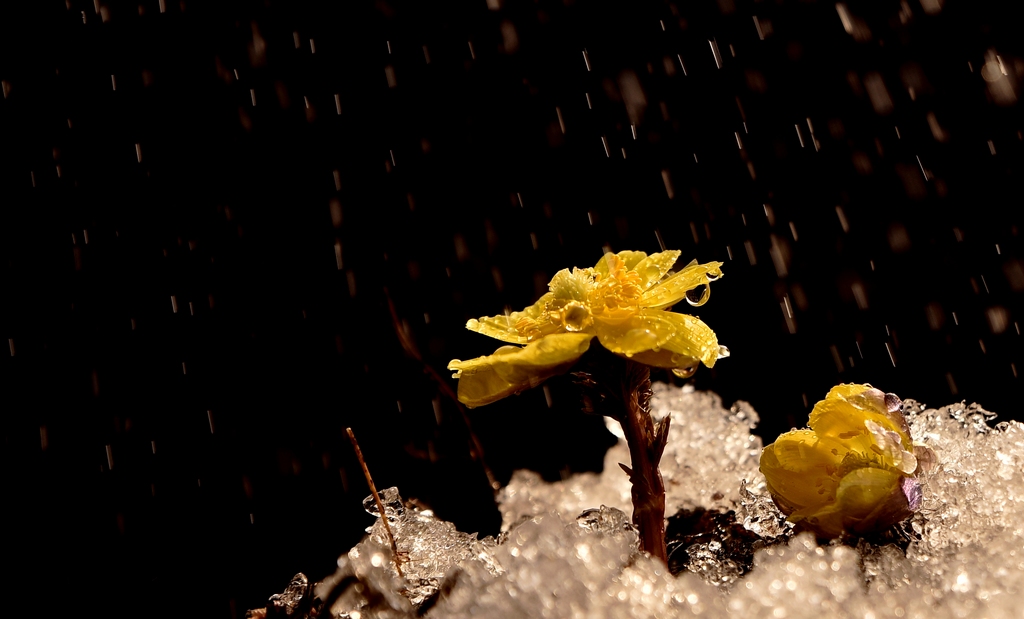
{"points": [[623, 301], [853, 471]]}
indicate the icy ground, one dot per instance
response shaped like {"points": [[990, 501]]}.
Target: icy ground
{"points": [[568, 548]]}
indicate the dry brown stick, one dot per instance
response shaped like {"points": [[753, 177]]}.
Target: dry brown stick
{"points": [[376, 498], [409, 345]]}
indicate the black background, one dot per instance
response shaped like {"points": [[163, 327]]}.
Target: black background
{"points": [[206, 206]]}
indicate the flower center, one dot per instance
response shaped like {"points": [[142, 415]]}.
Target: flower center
{"points": [[616, 296]]}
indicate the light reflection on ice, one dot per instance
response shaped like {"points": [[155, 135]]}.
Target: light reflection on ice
{"points": [[569, 550]]}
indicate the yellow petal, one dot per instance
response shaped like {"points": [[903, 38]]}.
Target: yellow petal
{"points": [[652, 268], [845, 409], [667, 359], [861, 492], [638, 333], [680, 334], [801, 469], [693, 338], [867, 499], [517, 327], [628, 258], [672, 290], [512, 369]]}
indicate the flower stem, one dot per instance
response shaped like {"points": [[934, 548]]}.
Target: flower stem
{"points": [[646, 444]]}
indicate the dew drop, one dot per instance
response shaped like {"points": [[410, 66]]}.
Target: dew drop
{"points": [[712, 277], [698, 296], [893, 403], [685, 372], [641, 339], [576, 317], [723, 352]]}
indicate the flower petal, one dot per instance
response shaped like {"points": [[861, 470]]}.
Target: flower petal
{"points": [[693, 338], [800, 469], [652, 268], [867, 499], [628, 258], [672, 290], [639, 333], [845, 409], [512, 369], [667, 359], [680, 334], [517, 327]]}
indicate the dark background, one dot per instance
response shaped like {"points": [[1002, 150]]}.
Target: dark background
{"points": [[206, 206]]}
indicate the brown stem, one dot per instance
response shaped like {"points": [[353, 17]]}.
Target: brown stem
{"points": [[646, 445], [376, 498]]}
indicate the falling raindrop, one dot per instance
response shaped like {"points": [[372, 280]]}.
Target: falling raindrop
{"points": [[723, 352], [715, 52]]}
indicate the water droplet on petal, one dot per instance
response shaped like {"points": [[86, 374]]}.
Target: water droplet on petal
{"points": [[685, 372], [576, 317], [640, 339], [698, 296], [723, 352], [714, 276], [893, 403]]}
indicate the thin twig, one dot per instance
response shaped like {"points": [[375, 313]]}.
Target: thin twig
{"points": [[376, 498], [476, 451]]}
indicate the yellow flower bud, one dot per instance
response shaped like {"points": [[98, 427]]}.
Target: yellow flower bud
{"points": [[853, 472]]}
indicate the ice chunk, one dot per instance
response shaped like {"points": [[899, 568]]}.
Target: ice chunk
{"points": [[296, 601], [607, 520], [587, 568], [362, 585], [710, 452], [391, 501], [802, 579], [758, 513], [428, 548]]}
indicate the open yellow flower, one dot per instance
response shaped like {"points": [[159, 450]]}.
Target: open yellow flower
{"points": [[624, 301], [853, 471]]}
